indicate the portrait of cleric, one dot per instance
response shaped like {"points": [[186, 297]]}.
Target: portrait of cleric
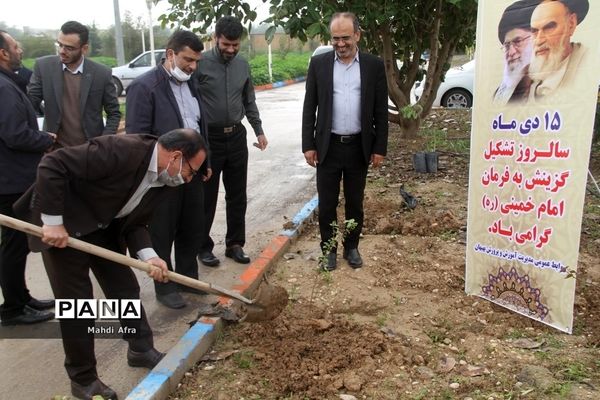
{"points": [[540, 60]]}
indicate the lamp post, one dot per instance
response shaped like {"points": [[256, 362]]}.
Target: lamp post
{"points": [[149, 3], [118, 34]]}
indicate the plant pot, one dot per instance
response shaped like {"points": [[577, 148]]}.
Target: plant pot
{"points": [[419, 162], [431, 159]]}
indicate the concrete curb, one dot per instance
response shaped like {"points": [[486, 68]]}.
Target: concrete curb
{"points": [[163, 379]]}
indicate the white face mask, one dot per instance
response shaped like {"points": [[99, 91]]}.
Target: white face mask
{"points": [[178, 74], [169, 180]]}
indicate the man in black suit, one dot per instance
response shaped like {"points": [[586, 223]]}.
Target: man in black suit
{"points": [[75, 90], [158, 101], [349, 130], [104, 192], [21, 148]]}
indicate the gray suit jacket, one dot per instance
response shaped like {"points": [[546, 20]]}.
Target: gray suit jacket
{"points": [[97, 93]]}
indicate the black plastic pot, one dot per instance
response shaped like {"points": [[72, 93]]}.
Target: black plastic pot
{"points": [[431, 159], [420, 162]]}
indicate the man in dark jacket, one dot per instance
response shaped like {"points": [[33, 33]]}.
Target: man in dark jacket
{"points": [[158, 101], [75, 90], [103, 192], [344, 129], [21, 148]]}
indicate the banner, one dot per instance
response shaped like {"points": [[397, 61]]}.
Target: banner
{"points": [[536, 86]]}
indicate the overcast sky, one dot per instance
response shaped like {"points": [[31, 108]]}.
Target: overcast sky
{"points": [[51, 14]]}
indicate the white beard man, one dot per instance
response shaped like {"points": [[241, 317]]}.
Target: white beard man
{"points": [[555, 59]]}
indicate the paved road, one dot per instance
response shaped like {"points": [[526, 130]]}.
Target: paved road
{"points": [[279, 183]]}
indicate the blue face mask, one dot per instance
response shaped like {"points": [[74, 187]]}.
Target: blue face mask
{"points": [[169, 180]]}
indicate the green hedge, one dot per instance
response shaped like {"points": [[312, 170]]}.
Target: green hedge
{"points": [[108, 61], [293, 65]]}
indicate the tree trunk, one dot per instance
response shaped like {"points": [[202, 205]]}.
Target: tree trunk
{"points": [[409, 127]]}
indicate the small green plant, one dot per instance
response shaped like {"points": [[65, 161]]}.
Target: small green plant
{"points": [[244, 359], [435, 137], [327, 276], [338, 236], [448, 235], [458, 145], [381, 319], [436, 336]]}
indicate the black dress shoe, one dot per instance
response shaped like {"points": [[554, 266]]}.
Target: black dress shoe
{"points": [[28, 316], [171, 300], [237, 253], [353, 257], [96, 388], [40, 304], [330, 263], [146, 359], [208, 258], [187, 289]]}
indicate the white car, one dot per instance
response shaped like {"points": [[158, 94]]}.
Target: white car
{"points": [[123, 75], [457, 89]]}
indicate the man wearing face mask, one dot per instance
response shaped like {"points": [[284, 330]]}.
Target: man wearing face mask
{"points": [[103, 192], [226, 85], [158, 101]]}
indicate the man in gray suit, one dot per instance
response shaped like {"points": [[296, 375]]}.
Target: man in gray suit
{"points": [[74, 90]]}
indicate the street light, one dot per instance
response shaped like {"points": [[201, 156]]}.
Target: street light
{"points": [[150, 3]]}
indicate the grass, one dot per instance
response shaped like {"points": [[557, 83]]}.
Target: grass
{"points": [[244, 359], [575, 372], [436, 336], [516, 334]]}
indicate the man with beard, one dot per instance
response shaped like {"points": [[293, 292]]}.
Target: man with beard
{"points": [[555, 58], [514, 33], [21, 148], [226, 85], [75, 90]]}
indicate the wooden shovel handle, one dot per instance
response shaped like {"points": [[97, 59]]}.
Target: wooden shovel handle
{"points": [[122, 259]]}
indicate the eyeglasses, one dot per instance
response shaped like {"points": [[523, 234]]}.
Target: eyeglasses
{"points": [[192, 170], [517, 42], [337, 39], [68, 49]]}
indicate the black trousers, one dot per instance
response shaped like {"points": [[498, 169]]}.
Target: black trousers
{"points": [[69, 273], [179, 220], [229, 156], [13, 257], [343, 162]]}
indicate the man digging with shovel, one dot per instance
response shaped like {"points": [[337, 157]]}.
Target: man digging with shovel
{"points": [[103, 192]]}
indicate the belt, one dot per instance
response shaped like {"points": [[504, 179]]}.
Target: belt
{"points": [[224, 128], [345, 139]]}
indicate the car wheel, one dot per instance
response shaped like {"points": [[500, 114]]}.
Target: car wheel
{"points": [[457, 98], [118, 85]]}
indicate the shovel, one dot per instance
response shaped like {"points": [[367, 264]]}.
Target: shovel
{"points": [[260, 310]]}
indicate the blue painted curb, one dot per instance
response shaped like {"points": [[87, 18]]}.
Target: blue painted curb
{"points": [[163, 379], [299, 219]]}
